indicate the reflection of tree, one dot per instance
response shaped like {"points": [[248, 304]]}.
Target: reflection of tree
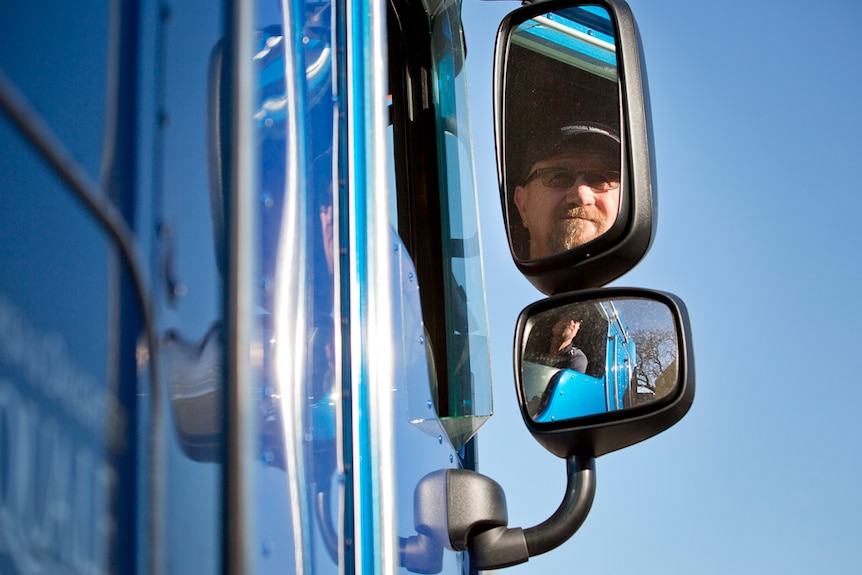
{"points": [[657, 366]]}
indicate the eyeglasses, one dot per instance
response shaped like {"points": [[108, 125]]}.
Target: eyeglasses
{"points": [[564, 178]]}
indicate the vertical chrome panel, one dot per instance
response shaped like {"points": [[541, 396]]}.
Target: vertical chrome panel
{"points": [[370, 295], [290, 326], [241, 426]]}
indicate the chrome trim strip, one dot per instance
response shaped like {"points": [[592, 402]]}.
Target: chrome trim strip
{"points": [[370, 284], [239, 523], [290, 326]]}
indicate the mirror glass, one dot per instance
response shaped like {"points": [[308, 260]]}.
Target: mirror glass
{"points": [[561, 131], [598, 356]]}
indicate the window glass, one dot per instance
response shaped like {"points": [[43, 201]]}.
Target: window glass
{"points": [[469, 393]]}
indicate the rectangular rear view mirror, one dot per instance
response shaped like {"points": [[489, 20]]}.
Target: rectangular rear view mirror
{"points": [[573, 134], [600, 370]]}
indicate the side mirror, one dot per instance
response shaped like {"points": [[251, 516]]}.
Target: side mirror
{"points": [[596, 371], [600, 370], [573, 133]]}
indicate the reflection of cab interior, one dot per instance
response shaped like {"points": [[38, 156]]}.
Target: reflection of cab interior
{"points": [[554, 394], [537, 86]]}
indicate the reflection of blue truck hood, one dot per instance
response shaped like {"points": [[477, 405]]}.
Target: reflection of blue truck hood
{"points": [[570, 394]]}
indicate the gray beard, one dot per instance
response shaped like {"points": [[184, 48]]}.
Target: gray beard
{"points": [[569, 232]]}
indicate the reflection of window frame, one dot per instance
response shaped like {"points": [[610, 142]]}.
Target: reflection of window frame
{"points": [[569, 45]]}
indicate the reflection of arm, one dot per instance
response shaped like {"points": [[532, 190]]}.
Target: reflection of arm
{"points": [[569, 358], [577, 360]]}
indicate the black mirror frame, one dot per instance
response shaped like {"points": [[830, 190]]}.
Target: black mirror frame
{"points": [[597, 435], [610, 256]]}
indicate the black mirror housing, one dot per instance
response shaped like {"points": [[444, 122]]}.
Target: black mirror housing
{"points": [[622, 114], [643, 334]]}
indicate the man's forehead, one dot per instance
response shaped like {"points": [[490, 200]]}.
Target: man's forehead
{"points": [[581, 159]]}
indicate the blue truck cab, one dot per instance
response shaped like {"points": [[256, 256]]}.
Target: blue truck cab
{"points": [[214, 352], [243, 325]]}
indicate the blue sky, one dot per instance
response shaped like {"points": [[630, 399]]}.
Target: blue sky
{"points": [[756, 111]]}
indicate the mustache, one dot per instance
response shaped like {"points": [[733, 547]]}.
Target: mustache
{"points": [[568, 211]]}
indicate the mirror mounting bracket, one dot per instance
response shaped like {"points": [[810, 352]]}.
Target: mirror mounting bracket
{"points": [[474, 517], [570, 515]]}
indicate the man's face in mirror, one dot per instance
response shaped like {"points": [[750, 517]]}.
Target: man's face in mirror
{"points": [[569, 198], [565, 330]]}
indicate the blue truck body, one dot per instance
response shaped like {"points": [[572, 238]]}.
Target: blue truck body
{"points": [[214, 352]]}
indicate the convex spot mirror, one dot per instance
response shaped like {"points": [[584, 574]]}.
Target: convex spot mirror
{"points": [[573, 142], [600, 370]]}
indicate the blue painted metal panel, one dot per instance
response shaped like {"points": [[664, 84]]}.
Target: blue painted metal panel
{"points": [[69, 319], [66, 440]]}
